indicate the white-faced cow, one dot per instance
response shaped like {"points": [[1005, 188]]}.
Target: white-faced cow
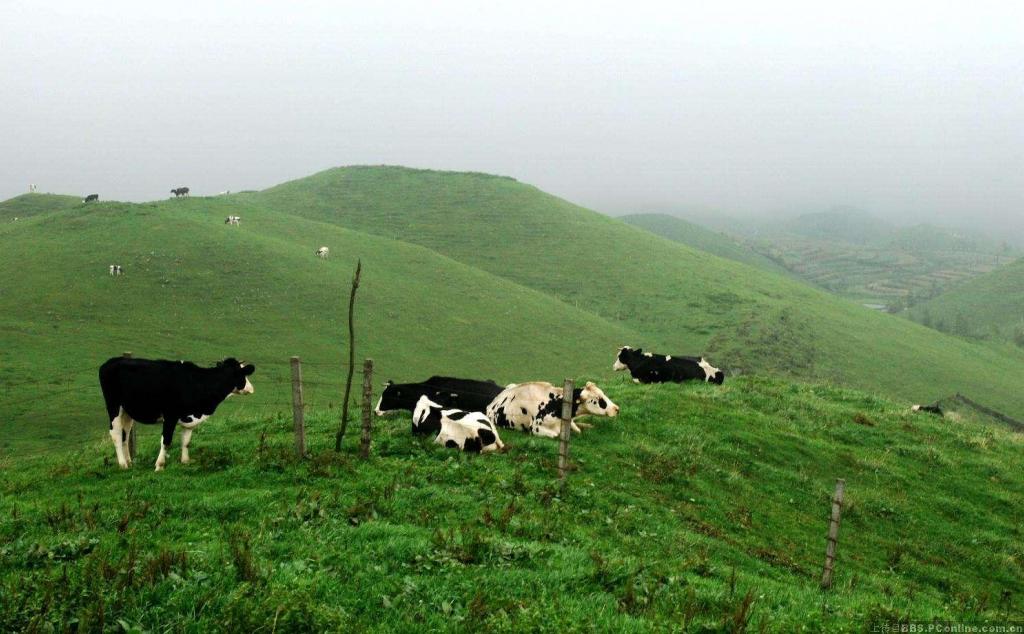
{"points": [[537, 407], [647, 367], [455, 428], [115, 269], [91, 198], [180, 191], [323, 252], [172, 393], [466, 394], [233, 220]]}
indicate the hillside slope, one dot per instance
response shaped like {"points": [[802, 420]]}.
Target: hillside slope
{"points": [[991, 305], [681, 300], [28, 205], [697, 237], [196, 289], [700, 509]]}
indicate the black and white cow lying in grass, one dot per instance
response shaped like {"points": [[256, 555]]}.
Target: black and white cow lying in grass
{"points": [[169, 392], [646, 367], [537, 407], [455, 428], [466, 394]]}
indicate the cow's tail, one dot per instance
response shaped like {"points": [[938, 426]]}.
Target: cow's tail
{"points": [[108, 383]]}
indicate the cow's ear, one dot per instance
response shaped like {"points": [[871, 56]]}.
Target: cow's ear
{"points": [[248, 369]]}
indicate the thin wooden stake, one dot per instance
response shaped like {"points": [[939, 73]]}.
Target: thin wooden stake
{"points": [[364, 449], [132, 442], [833, 535], [566, 430], [351, 356], [298, 408]]}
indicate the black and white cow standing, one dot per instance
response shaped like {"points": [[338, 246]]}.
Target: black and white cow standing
{"points": [[323, 252], [172, 393], [116, 269], [466, 394], [180, 191], [456, 428], [233, 220], [91, 198], [537, 407], [647, 367]]}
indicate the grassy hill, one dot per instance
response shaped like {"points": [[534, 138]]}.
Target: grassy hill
{"points": [[699, 509], [196, 289], [861, 257], [678, 299], [697, 237], [989, 306], [28, 205]]}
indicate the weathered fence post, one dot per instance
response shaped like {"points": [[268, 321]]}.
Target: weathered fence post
{"points": [[833, 535], [338, 437], [131, 434], [298, 408], [566, 430], [367, 404]]}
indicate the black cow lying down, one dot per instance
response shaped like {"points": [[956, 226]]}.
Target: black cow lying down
{"points": [[647, 367], [466, 394], [168, 392]]}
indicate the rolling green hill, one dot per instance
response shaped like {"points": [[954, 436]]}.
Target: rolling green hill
{"points": [[697, 237], [679, 299], [196, 289], [699, 509], [989, 306], [28, 205], [465, 274], [861, 257]]}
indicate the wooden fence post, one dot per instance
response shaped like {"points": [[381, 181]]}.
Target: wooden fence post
{"points": [[833, 535], [367, 404], [298, 408], [132, 442], [566, 430]]}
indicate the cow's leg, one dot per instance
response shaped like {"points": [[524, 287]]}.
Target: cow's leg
{"points": [[547, 428], [126, 431], [186, 436], [115, 436], [165, 442]]}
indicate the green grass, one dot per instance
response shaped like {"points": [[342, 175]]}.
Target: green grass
{"points": [[694, 502], [680, 300], [697, 237], [196, 289], [989, 306]]}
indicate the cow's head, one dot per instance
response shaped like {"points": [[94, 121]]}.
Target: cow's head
{"points": [[392, 398], [239, 373], [625, 356], [711, 373], [592, 401]]}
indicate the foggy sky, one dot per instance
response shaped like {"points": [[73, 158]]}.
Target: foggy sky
{"points": [[909, 110]]}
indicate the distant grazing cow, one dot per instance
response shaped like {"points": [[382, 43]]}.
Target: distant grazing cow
{"points": [[91, 198], [180, 191], [233, 220], [168, 392], [32, 189], [537, 407], [455, 428], [323, 252], [115, 269], [646, 367], [931, 409], [224, 193], [466, 394]]}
